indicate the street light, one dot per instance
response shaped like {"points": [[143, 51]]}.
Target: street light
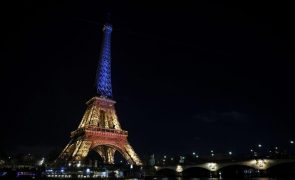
{"points": [[259, 145], [194, 153], [87, 170], [212, 153], [291, 142], [230, 153], [40, 163], [79, 164]]}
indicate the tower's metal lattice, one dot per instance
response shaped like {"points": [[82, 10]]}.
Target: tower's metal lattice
{"points": [[103, 76], [100, 130]]}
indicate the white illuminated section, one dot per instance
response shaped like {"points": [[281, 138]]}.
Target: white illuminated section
{"points": [[212, 166], [87, 170], [260, 164], [41, 162], [179, 168]]}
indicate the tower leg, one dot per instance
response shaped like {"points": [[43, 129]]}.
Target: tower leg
{"points": [[78, 150], [67, 152], [106, 153], [81, 150], [110, 155], [130, 155]]}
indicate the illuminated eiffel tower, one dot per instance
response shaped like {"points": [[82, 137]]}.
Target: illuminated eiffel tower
{"points": [[100, 129]]}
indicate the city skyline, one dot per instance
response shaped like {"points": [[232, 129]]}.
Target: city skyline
{"points": [[187, 78]]}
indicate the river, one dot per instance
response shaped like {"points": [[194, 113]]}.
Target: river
{"points": [[181, 178]]}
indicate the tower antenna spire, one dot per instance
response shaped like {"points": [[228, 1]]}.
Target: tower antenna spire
{"points": [[103, 75]]}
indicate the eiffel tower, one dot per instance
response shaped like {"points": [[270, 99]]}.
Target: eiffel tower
{"points": [[100, 129]]}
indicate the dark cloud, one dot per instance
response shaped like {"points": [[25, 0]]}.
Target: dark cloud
{"points": [[230, 116], [197, 138]]}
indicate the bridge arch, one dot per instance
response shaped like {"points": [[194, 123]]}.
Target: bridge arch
{"points": [[276, 163], [237, 171], [196, 171], [248, 167], [237, 164], [166, 172], [283, 169], [259, 164]]}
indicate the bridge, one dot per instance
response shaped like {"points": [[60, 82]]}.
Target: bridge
{"points": [[215, 167]]}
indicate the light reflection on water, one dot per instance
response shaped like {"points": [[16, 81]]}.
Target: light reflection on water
{"points": [[181, 178]]}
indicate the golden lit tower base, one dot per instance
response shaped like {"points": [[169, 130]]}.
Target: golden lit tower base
{"points": [[100, 131]]}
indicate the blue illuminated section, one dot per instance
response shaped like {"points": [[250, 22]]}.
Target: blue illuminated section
{"points": [[103, 76]]}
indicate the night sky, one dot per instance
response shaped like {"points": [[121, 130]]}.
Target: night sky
{"points": [[186, 77]]}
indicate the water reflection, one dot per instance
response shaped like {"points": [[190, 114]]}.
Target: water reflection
{"points": [[181, 178]]}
